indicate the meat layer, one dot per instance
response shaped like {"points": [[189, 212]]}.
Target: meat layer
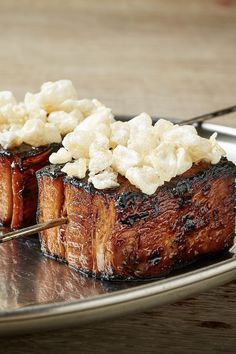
{"points": [[18, 184], [123, 233]]}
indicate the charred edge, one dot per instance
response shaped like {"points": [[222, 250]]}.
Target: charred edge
{"points": [[183, 188], [216, 215], [206, 189], [55, 257], [126, 200], [130, 220], [201, 259], [127, 205], [80, 183], [189, 224], [52, 171], [184, 201], [180, 188], [88, 187], [102, 276], [154, 258]]}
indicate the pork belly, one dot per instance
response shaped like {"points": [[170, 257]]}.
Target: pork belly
{"points": [[18, 184], [122, 233]]}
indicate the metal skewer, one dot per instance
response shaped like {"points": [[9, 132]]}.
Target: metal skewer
{"points": [[31, 230], [198, 119], [208, 116], [56, 222]]}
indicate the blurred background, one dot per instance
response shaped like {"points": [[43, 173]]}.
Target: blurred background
{"points": [[165, 57]]}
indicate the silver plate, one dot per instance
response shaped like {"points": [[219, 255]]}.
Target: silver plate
{"points": [[38, 293]]}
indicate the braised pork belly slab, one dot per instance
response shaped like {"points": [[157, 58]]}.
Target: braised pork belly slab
{"points": [[122, 233], [18, 184]]}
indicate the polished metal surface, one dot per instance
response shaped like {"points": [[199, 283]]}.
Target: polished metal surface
{"points": [[38, 293]]}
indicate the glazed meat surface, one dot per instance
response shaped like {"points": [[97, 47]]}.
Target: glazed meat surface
{"points": [[18, 184], [125, 234]]}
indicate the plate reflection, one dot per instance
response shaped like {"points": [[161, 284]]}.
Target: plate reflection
{"points": [[29, 278]]}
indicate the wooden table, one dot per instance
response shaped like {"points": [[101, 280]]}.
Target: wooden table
{"points": [[167, 57]]}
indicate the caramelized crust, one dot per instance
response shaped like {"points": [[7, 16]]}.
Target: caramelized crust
{"points": [[51, 193], [18, 184], [123, 233], [5, 191]]}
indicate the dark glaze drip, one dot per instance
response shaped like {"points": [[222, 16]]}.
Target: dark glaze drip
{"points": [[24, 150]]}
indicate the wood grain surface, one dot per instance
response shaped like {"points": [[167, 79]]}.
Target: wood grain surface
{"points": [[166, 57]]}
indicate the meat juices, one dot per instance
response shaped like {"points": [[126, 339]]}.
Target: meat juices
{"points": [[122, 233], [18, 184]]}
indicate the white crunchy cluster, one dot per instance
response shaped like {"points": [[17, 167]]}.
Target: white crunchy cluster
{"points": [[146, 155], [45, 117]]}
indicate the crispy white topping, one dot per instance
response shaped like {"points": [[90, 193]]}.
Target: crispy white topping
{"points": [[146, 155], [10, 139], [105, 179], [98, 121], [58, 111], [120, 132], [77, 168], [78, 143], [7, 97], [52, 94], [124, 158], [37, 133], [85, 106], [145, 178], [100, 161], [94, 143], [62, 156], [65, 122]]}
